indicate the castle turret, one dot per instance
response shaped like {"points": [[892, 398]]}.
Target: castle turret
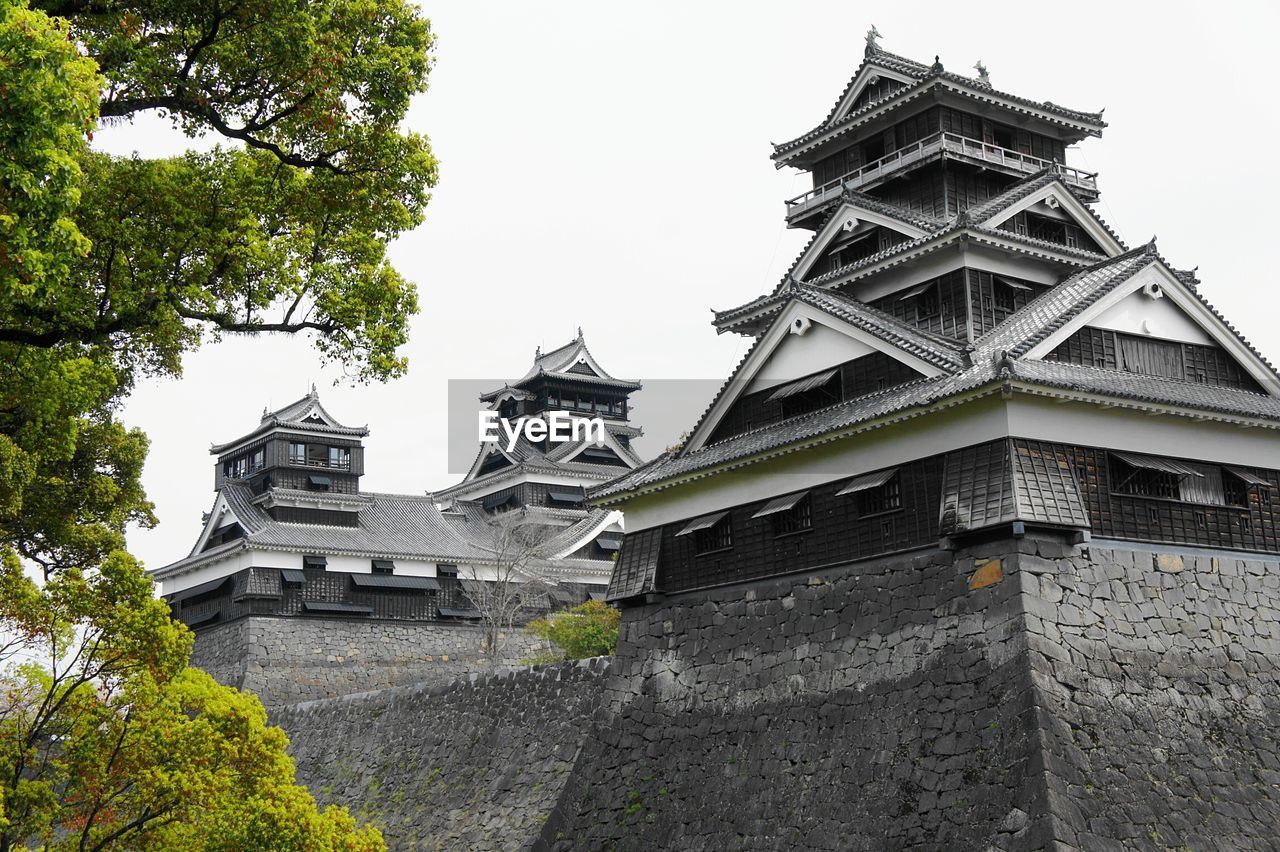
{"points": [[963, 350], [300, 446]]}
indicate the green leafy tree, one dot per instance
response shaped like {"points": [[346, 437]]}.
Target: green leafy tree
{"points": [[110, 270], [586, 630]]}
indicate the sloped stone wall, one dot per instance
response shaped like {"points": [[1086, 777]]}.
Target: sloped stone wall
{"points": [[475, 764], [1023, 695], [1158, 676], [287, 660], [884, 705]]}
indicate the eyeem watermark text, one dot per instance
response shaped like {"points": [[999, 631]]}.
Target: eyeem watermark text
{"points": [[558, 426]]}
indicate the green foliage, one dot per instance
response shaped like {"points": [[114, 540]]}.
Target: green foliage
{"points": [[587, 630], [110, 270]]}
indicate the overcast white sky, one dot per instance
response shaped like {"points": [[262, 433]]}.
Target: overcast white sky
{"points": [[607, 165]]}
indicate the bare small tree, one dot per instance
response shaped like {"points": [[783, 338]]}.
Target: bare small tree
{"points": [[517, 581]]}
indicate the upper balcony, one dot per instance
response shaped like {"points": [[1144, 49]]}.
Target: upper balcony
{"points": [[944, 144]]}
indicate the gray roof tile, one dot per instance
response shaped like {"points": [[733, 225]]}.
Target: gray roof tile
{"points": [[996, 357]]}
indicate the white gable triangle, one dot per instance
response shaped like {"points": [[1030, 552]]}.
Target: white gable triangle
{"points": [[1154, 303], [1056, 201], [849, 220], [869, 75], [220, 516], [813, 348]]}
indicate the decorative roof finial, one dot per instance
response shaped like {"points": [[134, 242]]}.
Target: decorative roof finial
{"points": [[983, 76], [579, 332], [313, 389], [537, 353], [873, 41], [963, 218], [1150, 247], [936, 67]]}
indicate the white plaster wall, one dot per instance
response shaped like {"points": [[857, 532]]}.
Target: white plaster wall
{"points": [[1164, 319], [979, 421], [820, 348], [1118, 429], [973, 423]]}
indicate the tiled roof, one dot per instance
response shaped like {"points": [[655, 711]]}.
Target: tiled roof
{"points": [[943, 353], [297, 415], [1054, 308], [1024, 188], [727, 319], [391, 526], [996, 358], [889, 61], [903, 214], [838, 417], [957, 83], [939, 351], [1153, 389]]}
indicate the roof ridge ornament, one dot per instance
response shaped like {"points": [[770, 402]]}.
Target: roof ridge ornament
{"points": [[936, 67], [984, 76], [873, 41]]}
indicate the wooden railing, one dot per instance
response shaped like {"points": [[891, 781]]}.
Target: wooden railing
{"points": [[953, 144]]}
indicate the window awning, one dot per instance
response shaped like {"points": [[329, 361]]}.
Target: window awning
{"points": [[867, 481], [494, 501], [204, 618], [1249, 478], [706, 522], [563, 596], [1158, 464], [458, 612], [317, 481], [915, 291], [385, 565], [197, 591], [780, 504], [802, 385], [314, 562], [336, 608], [293, 575], [599, 454], [609, 542], [596, 596], [565, 494], [395, 581], [1009, 282]]}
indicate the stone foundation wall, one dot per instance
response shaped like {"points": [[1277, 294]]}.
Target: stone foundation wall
{"points": [[1020, 695], [287, 660], [882, 705], [1158, 682], [1023, 695], [476, 764]]}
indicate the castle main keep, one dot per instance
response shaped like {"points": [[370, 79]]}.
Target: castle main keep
{"points": [[976, 549]]}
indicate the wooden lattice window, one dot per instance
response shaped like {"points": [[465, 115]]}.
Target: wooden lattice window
{"points": [[1144, 482], [718, 536], [882, 498], [798, 517]]}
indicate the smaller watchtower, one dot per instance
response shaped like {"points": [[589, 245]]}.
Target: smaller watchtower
{"points": [[299, 447]]}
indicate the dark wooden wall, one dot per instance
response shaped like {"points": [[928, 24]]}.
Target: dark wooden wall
{"points": [[1193, 362], [858, 377], [838, 534]]}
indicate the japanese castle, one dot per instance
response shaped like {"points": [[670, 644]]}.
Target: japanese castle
{"points": [[292, 533], [964, 350]]}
